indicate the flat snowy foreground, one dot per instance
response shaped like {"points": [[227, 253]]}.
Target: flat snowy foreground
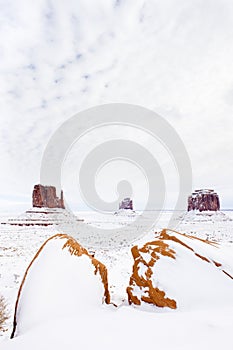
{"points": [[129, 328], [205, 325]]}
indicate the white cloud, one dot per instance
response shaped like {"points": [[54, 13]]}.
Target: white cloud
{"points": [[175, 57]]}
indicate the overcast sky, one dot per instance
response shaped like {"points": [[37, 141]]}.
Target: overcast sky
{"points": [[60, 57]]}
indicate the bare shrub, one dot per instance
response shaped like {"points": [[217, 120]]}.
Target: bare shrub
{"points": [[3, 313]]}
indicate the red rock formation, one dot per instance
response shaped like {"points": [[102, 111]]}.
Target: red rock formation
{"points": [[45, 196], [127, 203], [203, 200], [149, 293], [177, 249]]}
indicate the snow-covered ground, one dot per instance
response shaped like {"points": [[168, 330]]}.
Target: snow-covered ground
{"points": [[109, 327]]}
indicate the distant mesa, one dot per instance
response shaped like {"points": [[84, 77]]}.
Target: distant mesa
{"points": [[127, 203], [204, 200], [48, 210], [46, 197]]}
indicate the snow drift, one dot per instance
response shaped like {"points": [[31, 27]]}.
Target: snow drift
{"points": [[177, 270], [62, 280], [64, 283]]}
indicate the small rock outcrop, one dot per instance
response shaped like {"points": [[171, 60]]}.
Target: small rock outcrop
{"points": [[168, 272], [61, 280], [204, 200], [143, 281], [46, 197], [127, 203]]}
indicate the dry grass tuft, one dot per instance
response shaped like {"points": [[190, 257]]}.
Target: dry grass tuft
{"points": [[3, 313]]}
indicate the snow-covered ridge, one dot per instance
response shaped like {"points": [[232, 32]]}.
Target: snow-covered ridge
{"points": [[53, 272], [59, 281], [169, 270], [20, 243], [208, 215], [212, 225], [42, 217], [203, 191]]}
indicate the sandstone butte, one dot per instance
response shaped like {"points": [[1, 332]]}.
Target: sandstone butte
{"points": [[204, 200], [46, 197], [126, 204]]}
